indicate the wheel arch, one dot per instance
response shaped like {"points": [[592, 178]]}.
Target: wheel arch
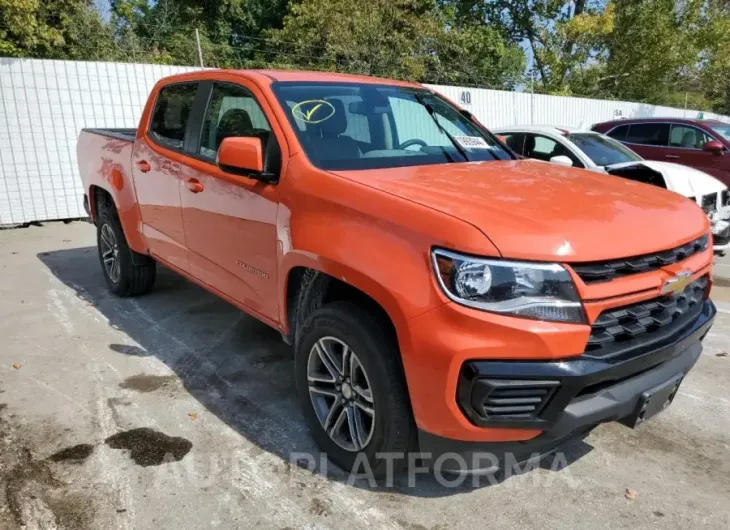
{"points": [[308, 286], [129, 218]]}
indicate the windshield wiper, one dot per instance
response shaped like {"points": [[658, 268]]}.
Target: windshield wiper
{"points": [[432, 113]]}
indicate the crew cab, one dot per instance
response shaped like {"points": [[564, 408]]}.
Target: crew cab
{"points": [[441, 295], [597, 152]]}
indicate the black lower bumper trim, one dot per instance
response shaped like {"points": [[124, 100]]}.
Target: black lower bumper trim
{"points": [[577, 377], [598, 392]]}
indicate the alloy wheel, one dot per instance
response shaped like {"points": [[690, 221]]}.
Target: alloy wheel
{"points": [[341, 394], [110, 253]]}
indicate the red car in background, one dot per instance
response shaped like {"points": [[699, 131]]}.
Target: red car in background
{"points": [[701, 144]]}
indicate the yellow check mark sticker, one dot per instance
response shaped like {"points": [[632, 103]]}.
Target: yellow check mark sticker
{"points": [[313, 110]]}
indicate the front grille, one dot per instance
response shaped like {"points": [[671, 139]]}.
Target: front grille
{"points": [[618, 330], [507, 399], [603, 271], [725, 197], [709, 203]]}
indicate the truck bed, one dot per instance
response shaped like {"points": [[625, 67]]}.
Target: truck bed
{"points": [[121, 134], [105, 162]]}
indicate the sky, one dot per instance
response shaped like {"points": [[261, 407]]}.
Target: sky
{"points": [[103, 7]]}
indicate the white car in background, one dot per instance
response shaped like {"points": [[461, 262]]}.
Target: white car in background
{"points": [[597, 152]]}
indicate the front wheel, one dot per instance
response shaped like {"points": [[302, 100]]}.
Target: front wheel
{"points": [[123, 276], [352, 390]]}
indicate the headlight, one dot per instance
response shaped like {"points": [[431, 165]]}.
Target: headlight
{"points": [[541, 291]]}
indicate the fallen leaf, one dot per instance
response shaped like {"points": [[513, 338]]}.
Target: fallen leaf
{"points": [[721, 354], [631, 494], [17, 366], [193, 415]]}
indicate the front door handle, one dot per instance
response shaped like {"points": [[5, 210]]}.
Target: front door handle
{"points": [[143, 166], [671, 156], [193, 185]]}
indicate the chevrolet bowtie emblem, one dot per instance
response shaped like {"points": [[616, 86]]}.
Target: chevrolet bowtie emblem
{"points": [[677, 284]]}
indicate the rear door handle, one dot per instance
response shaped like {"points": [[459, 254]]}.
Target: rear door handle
{"points": [[143, 166], [671, 156], [193, 185]]}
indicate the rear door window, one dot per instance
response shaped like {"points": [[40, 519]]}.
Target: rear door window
{"points": [[687, 137], [171, 113], [649, 134]]}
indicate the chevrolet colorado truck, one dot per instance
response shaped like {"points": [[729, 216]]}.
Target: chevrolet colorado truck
{"points": [[442, 296]]}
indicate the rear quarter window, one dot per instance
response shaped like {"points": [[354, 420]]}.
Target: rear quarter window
{"points": [[171, 113], [619, 133]]}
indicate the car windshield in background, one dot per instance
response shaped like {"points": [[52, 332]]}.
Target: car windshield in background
{"points": [[367, 126], [603, 151], [722, 130]]}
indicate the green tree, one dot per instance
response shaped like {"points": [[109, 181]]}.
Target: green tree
{"points": [[164, 31], [652, 53], [562, 36], [714, 64], [62, 29], [407, 39]]}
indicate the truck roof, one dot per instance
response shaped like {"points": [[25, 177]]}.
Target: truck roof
{"points": [[297, 75]]}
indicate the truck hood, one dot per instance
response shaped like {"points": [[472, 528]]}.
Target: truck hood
{"points": [[539, 211], [680, 179]]}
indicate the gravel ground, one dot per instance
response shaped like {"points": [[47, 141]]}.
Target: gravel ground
{"points": [[175, 410]]}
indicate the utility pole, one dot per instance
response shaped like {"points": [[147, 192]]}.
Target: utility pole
{"points": [[134, 55], [200, 51], [685, 104], [532, 97]]}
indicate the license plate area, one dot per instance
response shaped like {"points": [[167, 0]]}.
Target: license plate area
{"points": [[653, 401]]}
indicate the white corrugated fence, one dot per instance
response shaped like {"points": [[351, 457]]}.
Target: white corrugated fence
{"points": [[44, 104]]}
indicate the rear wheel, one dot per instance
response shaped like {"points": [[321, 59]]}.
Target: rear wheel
{"points": [[352, 390], [126, 272]]}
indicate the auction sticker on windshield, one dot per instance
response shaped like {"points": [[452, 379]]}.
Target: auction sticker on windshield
{"points": [[472, 142]]}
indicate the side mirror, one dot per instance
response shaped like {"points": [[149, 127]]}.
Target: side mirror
{"points": [[243, 156], [562, 160], [713, 146]]}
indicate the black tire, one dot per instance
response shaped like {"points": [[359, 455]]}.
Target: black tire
{"points": [[394, 430], [137, 272]]}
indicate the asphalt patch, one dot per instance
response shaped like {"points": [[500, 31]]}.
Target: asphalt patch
{"points": [[75, 454], [149, 447], [148, 383]]}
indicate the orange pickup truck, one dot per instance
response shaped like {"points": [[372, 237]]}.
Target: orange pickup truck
{"points": [[441, 295]]}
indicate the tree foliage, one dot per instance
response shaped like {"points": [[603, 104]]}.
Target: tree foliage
{"points": [[409, 39], [653, 51], [61, 29]]}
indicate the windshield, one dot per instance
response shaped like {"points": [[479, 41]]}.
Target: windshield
{"points": [[722, 130], [602, 150], [367, 126]]}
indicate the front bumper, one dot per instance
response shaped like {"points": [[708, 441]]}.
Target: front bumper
{"points": [[591, 392]]}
